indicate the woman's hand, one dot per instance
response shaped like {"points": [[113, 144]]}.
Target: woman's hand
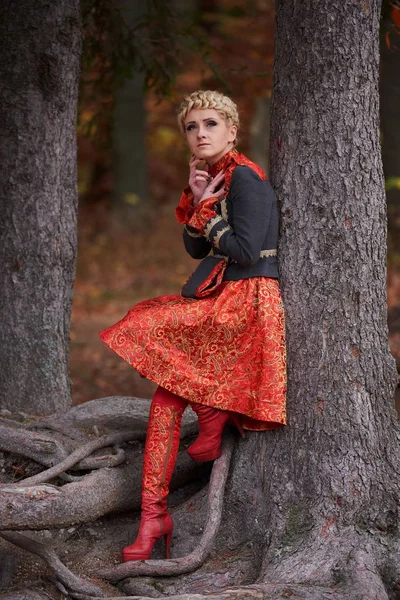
{"points": [[205, 209], [214, 188], [198, 179]]}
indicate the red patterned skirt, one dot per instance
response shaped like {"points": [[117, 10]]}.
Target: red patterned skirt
{"points": [[226, 350]]}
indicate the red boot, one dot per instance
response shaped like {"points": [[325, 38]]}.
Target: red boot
{"points": [[161, 450], [211, 426]]}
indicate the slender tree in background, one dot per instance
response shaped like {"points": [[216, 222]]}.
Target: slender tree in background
{"points": [[259, 139], [130, 191], [390, 111], [40, 49], [390, 128]]}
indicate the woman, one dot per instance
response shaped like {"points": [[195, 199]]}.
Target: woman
{"points": [[220, 346]]}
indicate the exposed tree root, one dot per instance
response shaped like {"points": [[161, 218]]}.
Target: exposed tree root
{"points": [[25, 595], [11, 423], [78, 455], [107, 460], [39, 447], [365, 574], [68, 579], [113, 412], [70, 432], [29, 504], [336, 565], [17, 438], [24, 507], [194, 560]]}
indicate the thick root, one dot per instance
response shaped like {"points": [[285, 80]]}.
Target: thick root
{"points": [[68, 579], [80, 454], [249, 592], [111, 413], [39, 447], [45, 506]]}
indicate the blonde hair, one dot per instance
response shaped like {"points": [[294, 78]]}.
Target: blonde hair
{"points": [[209, 99]]}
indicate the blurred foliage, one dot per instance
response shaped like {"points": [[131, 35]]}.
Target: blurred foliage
{"points": [[393, 183], [113, 49], [155, 44], [165, 43]]}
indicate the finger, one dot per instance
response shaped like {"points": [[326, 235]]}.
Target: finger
{"points": [[220, 176], [219, 193], [216, 183]]}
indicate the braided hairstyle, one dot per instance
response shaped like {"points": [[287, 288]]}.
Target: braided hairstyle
{"points": [[209, 99]]}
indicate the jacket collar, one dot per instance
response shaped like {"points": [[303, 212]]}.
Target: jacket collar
{"points": [[223, 162]]}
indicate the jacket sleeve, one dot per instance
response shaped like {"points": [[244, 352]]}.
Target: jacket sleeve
{"points": [[195, 243], [251, 201]]}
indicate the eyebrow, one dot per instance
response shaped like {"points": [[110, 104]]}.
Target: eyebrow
{"points": [[207, 119]]}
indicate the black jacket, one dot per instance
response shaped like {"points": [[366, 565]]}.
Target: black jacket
{"points": [[245, 229]]}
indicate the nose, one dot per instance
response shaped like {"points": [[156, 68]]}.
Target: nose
{"points": [[201, 131]]}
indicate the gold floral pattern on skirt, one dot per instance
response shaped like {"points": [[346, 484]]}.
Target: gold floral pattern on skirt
{"points": [[226, 350]]}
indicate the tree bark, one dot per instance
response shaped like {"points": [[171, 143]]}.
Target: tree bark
{"points": [[40, 45]]}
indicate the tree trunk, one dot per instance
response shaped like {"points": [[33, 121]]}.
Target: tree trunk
{"points": [[40, 48]]}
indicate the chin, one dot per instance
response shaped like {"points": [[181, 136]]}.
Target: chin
{"points": [[204, 153]]}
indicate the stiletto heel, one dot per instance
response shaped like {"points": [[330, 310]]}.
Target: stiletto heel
{"points": [[152, 527]]}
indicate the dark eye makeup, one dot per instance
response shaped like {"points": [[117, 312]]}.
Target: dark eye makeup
{"points": [[192, 126]]}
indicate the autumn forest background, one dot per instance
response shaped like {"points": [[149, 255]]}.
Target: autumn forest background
{"points": [[140, 59]]}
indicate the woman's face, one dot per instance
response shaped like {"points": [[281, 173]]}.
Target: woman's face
{"points": [[208, 134]]}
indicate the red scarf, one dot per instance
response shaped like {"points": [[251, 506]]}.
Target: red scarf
{"points": [[227, 163]]}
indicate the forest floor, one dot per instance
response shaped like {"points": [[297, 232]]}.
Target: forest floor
{"points": [[118, 267]]}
